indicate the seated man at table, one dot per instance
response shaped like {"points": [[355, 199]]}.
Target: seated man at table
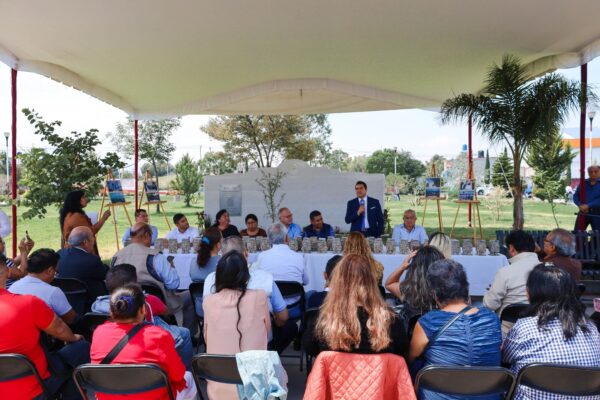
{"points": [[24, 317], [559, 249], [78, 261], [141, 216], [317, 227], [182, 229], [509, 286], [153, 266], [42, 267], [409, 230], [287, 218]]}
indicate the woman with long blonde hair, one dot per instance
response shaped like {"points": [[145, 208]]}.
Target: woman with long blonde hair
{"points": [[354, 317], [356, 243]]}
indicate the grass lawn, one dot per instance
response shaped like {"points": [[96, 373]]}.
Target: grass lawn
{"points": [[538, 216]]}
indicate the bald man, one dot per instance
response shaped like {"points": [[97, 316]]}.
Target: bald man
{"points": [[79, 261]]}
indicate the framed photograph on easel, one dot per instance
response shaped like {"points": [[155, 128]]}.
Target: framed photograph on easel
{"points": [[467, 190], [151, 189], [432, 187], [115, 191]]}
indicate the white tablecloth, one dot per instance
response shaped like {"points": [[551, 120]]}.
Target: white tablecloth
{"points": [[480, 269]]}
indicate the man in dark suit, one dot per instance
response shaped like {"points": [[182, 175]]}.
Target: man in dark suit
{"points": [[364, 213], [79, 261]]}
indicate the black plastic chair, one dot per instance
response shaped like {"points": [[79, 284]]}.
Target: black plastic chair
{"points": [[565, 380], [466, 381], [215, 367], [16, 366], [294, 290], [76, 292], [153, 289], [89, 322], [310, 320], [513, 312], [120, 379], [196, 292]]}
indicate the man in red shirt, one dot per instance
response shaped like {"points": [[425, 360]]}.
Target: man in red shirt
{"points": [[23, 317]]}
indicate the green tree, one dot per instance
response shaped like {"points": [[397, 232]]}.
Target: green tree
{"points": [[382, 162], [216, 163], [162, 168], [487, 172], [438, 161], [337, 159], [154, 142], [72, 163], [187, 178], [263, 139], [503, 171], [551, 162], [358, 164], [516, 109]]}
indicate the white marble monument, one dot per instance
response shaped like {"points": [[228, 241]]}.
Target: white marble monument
{"points": [[306, 189]]}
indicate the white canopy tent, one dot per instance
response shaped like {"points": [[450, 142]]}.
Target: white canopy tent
{"points": [[156, 59]]}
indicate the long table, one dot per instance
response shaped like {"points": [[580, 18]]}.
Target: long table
{"points": [[480, 269]]}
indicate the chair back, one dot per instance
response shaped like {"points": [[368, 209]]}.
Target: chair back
{"points": [[513, 312], [153, 289], [76, 292], [16, 366], [89, 322], [565, 380], [292, 289], [196, 291], [217, 368], [465, 381], [120, 379]]}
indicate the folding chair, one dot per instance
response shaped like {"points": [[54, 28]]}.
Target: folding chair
{"points": [[513, 312], [76, 292], [89, 322], [565, 380], [217, 368], [196, 291], [120, 379], [16, 366], [466, 381], [310, 320]]}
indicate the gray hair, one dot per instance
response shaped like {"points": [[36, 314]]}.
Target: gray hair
{"points": [[277, 233], [78, 236], [232, 243], [563, 240]]}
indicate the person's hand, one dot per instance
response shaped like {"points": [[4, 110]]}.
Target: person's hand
{"points": [[30, 244], [584, 208], [407, 260], [106, 215], [23, 246], [361, 210]]}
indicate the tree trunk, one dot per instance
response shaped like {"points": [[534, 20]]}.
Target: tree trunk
{"points": [[157, 185], [517, 189]]}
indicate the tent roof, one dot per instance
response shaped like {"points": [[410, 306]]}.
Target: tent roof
{"points": [[155, 58]]}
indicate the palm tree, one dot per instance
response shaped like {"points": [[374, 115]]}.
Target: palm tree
{"points": [[517, 109]]}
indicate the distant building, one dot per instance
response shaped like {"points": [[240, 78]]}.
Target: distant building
{"points": [[575, 148]]}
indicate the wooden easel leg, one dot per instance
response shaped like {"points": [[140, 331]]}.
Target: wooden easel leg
{"points": [[162, 207], [127, 214], [115, 226], [440, 216], [424, 213], [479, 220], [455, 217]]}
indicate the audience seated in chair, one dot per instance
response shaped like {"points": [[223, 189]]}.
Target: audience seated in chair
{"points": [[23, 318], [356, 243], [509, 283], [236, 318], [206, 262], [559, 249], [456, 334], [441, 242], [556, 331], [78, 261], [42, 267], [354, 318], [123, 274], [151, 344], [315, 299]]}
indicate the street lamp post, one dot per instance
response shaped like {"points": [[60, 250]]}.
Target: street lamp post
{"points": [[6, 135], [591, 116]]}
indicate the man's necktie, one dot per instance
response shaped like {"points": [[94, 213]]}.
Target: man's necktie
{"points": [[363, 224]]}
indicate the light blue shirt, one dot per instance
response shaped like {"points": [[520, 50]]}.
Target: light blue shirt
{"points": [[401, 233], [51, 295], [198, 273], [127, 234], [294, 231], [168, 275]]}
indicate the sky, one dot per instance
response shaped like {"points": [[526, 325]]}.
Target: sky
{"points": [[417, 131]]}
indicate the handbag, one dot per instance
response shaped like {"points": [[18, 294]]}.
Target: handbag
{"points": [[119, 346]]}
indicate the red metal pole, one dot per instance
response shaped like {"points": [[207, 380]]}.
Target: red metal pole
{"points": [[135, 160], [470, 160], [582, 198], [13, 75]]}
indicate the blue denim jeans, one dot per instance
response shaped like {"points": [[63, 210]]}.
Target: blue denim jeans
{"points": [[61, 364], [183, 341]]}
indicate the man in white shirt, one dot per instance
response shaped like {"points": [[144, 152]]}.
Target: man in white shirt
{"points": [[409, 230], [182, 229], [509, 286]]}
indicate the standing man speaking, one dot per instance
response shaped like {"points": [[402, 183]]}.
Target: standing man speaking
{"points": [[364, 213]]}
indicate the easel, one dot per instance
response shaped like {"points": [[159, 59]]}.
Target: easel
{"points": [[476, 209], [147, 178], [109, 177], [437, 199]]}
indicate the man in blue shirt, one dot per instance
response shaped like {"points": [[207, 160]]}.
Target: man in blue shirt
{"points": [[141, 216], [409, 230], [317, 227], [286, 218], [590, 210]]}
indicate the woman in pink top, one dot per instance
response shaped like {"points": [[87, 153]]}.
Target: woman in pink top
{"points": [[235, 319]]}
